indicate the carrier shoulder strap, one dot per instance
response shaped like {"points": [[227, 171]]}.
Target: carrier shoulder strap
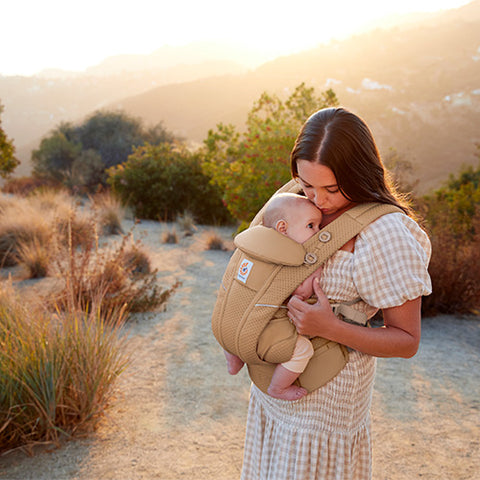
{"points": [[287, 277], [342, 229]]}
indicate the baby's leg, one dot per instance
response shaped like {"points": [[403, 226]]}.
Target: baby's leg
{"points": [[234, 363], [286, 373]]}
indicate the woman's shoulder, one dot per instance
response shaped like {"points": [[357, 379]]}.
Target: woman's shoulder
{"points": [[394, 227], [391, 261]]}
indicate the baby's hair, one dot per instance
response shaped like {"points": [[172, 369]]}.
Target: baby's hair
{"points": [[277, 206]]}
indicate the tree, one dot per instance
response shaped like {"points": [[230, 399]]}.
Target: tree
{"points": [[249, 167], [78, 155], [88, 171], [8, 162], [112, 134], [54, 158]]}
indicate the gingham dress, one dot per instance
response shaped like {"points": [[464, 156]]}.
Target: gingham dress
{"points": [[326, 434]]}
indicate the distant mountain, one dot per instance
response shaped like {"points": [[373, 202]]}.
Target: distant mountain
{"points": [[192, 54], [417, 85], [34, 105]]}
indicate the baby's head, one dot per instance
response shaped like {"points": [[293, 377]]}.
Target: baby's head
{"points": [[293, 215]]}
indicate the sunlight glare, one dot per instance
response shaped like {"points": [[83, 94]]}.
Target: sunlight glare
{"points": [[59, 34]]}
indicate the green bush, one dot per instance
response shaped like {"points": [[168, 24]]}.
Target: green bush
{"points": [[162, 181]]}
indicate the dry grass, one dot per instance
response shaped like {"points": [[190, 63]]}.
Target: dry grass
{"points": [[24, 186], [186, 223], [136, 259], [36, 257], [74, 227], [21, 223], [56, 371], [170, 236], [214, 241], [112, 274], [109, 213]]}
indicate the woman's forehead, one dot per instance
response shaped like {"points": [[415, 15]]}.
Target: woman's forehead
{"points": [[315, 174]]}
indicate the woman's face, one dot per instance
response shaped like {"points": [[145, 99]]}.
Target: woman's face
{"points": [[320, 186]]}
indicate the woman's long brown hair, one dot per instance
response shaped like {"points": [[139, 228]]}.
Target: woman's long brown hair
{"points": [[342, 141]]}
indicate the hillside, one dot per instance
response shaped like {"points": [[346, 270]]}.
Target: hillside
{"points": [[34, 105], [417, 85]]}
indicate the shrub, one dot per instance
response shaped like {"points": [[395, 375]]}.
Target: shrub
{"points": [[36, 257], [109, 213], [170, 236], [214, 241], [90, 274], [56, 372], [26, 185], [454, 272], [136, 260], [186, 222], [20, 224], [163, 181], [452, 217]]}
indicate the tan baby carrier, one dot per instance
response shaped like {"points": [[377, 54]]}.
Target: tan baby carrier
{"points": [[250, 318]]}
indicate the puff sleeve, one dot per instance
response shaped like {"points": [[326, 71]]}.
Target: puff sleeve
{"points": [[391, 261]]}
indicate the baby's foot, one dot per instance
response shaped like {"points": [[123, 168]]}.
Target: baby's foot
{"points": [[290, 393], [234, 365]]}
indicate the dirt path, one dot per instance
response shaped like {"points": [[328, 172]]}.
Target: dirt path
{"points": [[178, 414]]}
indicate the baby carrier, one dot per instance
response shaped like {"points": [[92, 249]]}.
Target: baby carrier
{"points": [[249, 318]]}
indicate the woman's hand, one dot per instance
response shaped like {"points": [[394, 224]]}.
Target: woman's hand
{"points": [[315, 320], [399, 337]]}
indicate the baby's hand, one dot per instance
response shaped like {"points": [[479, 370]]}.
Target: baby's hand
{"points": [[305, 289]]}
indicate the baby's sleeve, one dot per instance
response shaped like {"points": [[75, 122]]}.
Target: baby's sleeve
{"points": [[391, 261]]}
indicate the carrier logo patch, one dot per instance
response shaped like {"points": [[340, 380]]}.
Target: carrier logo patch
{"points": [[244, 270]]}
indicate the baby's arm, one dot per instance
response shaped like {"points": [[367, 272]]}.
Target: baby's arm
{"points": [[305, 289]]}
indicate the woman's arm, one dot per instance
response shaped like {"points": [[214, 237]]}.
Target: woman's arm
{"points": [[399, 337]]}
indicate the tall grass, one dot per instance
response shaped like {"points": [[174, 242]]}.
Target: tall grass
{"points": [[186, 222], [36, 257], [57, 371], [20, 223], [110, 213], [214, 241]]}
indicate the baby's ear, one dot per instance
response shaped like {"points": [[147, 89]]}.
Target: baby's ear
{"points": [[281, 227]]}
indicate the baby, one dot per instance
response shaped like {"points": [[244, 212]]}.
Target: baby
{"points": [[297, 218]]}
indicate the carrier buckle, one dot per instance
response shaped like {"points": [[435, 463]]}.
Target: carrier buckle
{"points": [[325, 237], [310, 258]]}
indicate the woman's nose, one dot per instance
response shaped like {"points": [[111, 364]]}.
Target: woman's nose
{"points": [[318, 198]]}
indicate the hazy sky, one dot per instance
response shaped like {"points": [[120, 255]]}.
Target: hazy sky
{"points": [[38, 34]]}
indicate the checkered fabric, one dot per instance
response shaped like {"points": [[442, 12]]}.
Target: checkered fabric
{"points": [[326, 434]]}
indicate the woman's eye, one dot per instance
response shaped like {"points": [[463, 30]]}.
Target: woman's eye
{"points": [[332, 190], [310, 225]]}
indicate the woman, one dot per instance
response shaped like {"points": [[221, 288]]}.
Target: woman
{"points": [[326, 434]]}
